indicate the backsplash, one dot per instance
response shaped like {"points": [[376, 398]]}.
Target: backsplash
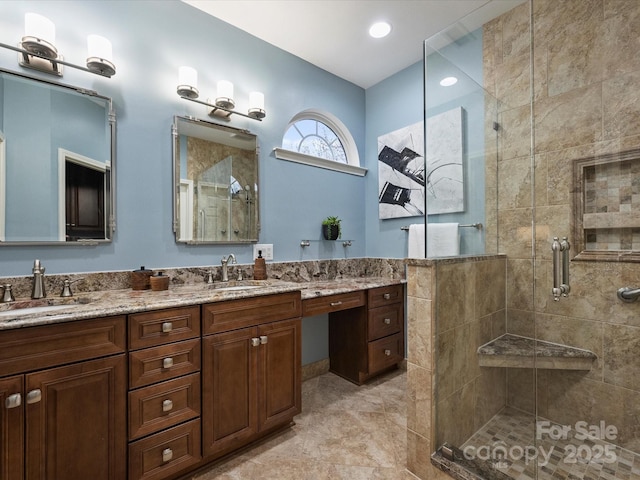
{"points": [[306, 271]]}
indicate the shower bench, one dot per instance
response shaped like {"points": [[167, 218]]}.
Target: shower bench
{"points": [[514, 351]]}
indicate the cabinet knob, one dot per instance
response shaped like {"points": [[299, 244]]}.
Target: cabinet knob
{"points": [[167, 327], [13, 401], [167, 454], [34, 396], [386, 296], [387, 353], [167, 362], [387, 321], [167, 405], [335, 304], [255, 342], [263, 339]]}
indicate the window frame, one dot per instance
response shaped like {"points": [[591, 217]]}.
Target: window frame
{"points": [[352, 166]]}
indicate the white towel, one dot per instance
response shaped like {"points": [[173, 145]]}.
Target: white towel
{"points": [[416, 241], [443, 240]]}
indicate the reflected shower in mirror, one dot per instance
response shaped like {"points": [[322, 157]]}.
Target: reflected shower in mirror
{"points": [[216, 183], [56, 163]]}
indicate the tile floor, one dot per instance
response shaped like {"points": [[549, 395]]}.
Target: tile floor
{"points": [[344, 432], [569, 458]]}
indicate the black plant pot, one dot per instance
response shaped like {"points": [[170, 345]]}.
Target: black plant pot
{"points": [[330, 232]]}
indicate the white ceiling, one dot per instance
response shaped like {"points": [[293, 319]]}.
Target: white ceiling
{"points": [[333, 34]]}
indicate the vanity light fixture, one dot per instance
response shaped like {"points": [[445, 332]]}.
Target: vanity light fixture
{"points": [[224, 104], [38, 51]]}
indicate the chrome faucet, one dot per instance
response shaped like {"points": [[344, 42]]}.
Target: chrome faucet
{"points": [[38, 281], [225, 261]]}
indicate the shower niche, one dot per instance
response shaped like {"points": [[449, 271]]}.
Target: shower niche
{"points": [[606, 207]]}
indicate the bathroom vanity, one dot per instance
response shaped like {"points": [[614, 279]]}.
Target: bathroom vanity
{"points": [[152, 385]]}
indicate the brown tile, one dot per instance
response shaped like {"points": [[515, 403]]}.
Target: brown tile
{"points": [[620, 356]]}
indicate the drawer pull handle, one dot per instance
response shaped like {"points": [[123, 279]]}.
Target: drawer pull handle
{"points": [[263, 339], [167, 362], [255, 342], [386, 296], [387, 321], [13, 401], [167, 455], [387, 352], [167, 327], [335, 304], [167, 405], [34, 396]]}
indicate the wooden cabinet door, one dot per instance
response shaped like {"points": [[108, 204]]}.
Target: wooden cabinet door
{"points": [[11, 428], [76, 421], [280, 372], [229, 389]]}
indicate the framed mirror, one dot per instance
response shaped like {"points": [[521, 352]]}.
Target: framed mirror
{"points": [[215, 171], [57, 149]]}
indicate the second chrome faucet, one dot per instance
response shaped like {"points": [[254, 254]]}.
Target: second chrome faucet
{"points": [[38, 290], [225, 262]]}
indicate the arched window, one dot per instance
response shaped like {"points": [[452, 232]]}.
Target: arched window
{"points": [[318, 138]]}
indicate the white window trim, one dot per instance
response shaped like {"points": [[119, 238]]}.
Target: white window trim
{"points": [[304, 159], [351, 151]]}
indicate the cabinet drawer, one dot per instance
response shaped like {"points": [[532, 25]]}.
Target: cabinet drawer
{"points": [[377, 297], [159, 327], [384, 321], [247, 312], [385, 352], [163, 405], [156, 364], [35, 348], [332, 303], [163, 454]]}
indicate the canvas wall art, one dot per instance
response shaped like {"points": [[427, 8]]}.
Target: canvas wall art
{"points": [[401, 168]]}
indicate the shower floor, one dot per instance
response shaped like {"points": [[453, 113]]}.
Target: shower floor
{"points": [[508, 443]]}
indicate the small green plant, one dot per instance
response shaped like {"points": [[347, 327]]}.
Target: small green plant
{"points": [[331, 228]]}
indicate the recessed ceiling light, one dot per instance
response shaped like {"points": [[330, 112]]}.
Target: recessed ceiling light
{"points": [[448, 81], [379, 29]]}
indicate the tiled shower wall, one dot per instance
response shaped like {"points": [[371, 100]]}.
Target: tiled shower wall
{"points": [[453, 307], [586, 79]]}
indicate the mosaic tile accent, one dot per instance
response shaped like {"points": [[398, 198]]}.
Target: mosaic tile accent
{"points": [[509, 443]]}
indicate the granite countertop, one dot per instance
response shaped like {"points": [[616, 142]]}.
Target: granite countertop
{"points": [[119, 302]]}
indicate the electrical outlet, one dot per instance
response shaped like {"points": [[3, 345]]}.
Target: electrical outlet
{"points": [[267, 250]]}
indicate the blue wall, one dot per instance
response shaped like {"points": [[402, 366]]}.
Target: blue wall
{"points": [[151, 39]]}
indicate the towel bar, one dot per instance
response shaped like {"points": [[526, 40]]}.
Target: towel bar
{"points": [[474, 225]]}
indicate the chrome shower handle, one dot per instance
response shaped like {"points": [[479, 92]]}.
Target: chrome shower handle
{"points": [[560, 257]]}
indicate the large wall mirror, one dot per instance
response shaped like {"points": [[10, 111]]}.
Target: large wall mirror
{"points": [[56, 163], [216, 183]]}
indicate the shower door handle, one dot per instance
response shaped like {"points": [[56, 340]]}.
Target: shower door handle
{"points": [[560, 257]]}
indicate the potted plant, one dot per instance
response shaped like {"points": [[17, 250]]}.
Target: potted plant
{"points": [[331, 228]]}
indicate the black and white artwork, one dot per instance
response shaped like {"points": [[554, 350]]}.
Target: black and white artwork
{"points": [[401, 168], [401, 172]]}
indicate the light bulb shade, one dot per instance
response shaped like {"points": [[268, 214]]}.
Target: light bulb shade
{"points": [[39, 35], [187, 82], [100, 56], [225, 95], [256, 105]]}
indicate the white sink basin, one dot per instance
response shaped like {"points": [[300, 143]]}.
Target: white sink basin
{"points": [[32, 310]]}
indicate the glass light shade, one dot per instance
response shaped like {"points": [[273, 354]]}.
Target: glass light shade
{"points": [[39, 35], [100, 59], [100, 47], [256, 105], [187, 82], [225, 95]]}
